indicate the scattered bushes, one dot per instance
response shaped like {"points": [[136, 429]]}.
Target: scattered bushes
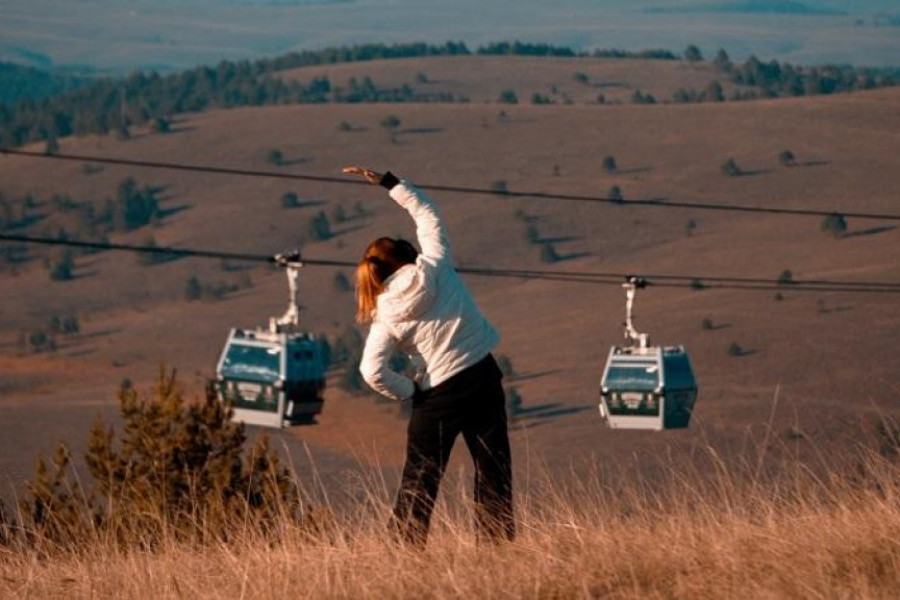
{"points": [[639, 97], [179, 470]]}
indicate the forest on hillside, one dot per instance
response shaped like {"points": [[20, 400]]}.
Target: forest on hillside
{"points": [[56, 109]]}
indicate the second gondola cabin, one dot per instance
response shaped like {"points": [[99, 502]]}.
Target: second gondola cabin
{"points": [[648, 388], [644, 386]]}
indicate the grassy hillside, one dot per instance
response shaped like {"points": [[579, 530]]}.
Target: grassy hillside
{"points": [[737, 536], [823, 351], [783, 485]]}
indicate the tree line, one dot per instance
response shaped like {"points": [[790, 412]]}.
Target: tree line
{"points": [[113, 105]]}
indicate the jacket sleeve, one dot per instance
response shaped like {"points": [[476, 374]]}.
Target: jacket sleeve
{"points": [[375, 365], [430, 229]]}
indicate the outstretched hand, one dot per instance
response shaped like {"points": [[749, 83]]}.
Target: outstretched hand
{"points": [[370, 175]]}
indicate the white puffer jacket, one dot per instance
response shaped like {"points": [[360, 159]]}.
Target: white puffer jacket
{"points": [[425, 311]]}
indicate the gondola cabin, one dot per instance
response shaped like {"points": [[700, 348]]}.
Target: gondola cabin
{"points": [[643, 386], [648, 388], [271, 379]]}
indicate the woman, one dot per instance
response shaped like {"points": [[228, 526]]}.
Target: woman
{"points": [[417, 304]]}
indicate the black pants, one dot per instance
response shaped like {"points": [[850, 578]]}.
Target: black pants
{"points": [[472, 403]]}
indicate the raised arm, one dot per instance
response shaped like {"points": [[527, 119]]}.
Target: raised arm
{"points": [[430, 229]]}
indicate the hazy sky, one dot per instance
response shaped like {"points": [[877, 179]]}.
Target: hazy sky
{"points": [[122, 35]]}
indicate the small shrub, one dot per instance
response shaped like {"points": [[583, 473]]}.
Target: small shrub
{"points": [[697, 284], [41, 341], [692, 54], [513, 402], [421, 77], [786, 277], [275, 157], [161, 125], [64, 268], [320, 227], [391, 123], [581, 78], [615, 194], [499, 187], [151, 257], [52, 146], [731, 168], [508, 97], [548, 253], [835, 224], [714, 92], [65, 325], [690, 227], [787, 158], [290, 200], [505, 365], [735, 350], [342, 282], [339, 214], [537, 98], [707, 325], [639, 97], [344, 126], [609, 164], [193, 290]]}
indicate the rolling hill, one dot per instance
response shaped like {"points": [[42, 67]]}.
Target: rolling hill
{"points": [[816, 367]]}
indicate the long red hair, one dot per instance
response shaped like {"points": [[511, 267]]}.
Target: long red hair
{"points": [[381, 259]]}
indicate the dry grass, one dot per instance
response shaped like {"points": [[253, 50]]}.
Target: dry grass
{"points": [[720, 534]]}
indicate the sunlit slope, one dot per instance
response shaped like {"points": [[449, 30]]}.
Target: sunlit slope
{"points": [[827, 353]]}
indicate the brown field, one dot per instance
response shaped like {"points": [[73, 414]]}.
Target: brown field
{"points": [[828, 355], [483, 78]]}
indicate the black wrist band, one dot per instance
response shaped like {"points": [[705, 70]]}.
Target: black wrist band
{"points": [[388, 180]]}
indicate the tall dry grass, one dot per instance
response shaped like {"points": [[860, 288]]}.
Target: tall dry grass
{"points": [[724, 531]]}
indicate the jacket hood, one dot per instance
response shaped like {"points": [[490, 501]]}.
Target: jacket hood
{"points": [[407, 294]]}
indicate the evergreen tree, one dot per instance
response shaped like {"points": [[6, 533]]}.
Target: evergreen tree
{"points": [[692, 54]]}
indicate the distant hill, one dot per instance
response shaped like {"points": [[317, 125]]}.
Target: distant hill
{"points": [[788, 7], [19, 83]]}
